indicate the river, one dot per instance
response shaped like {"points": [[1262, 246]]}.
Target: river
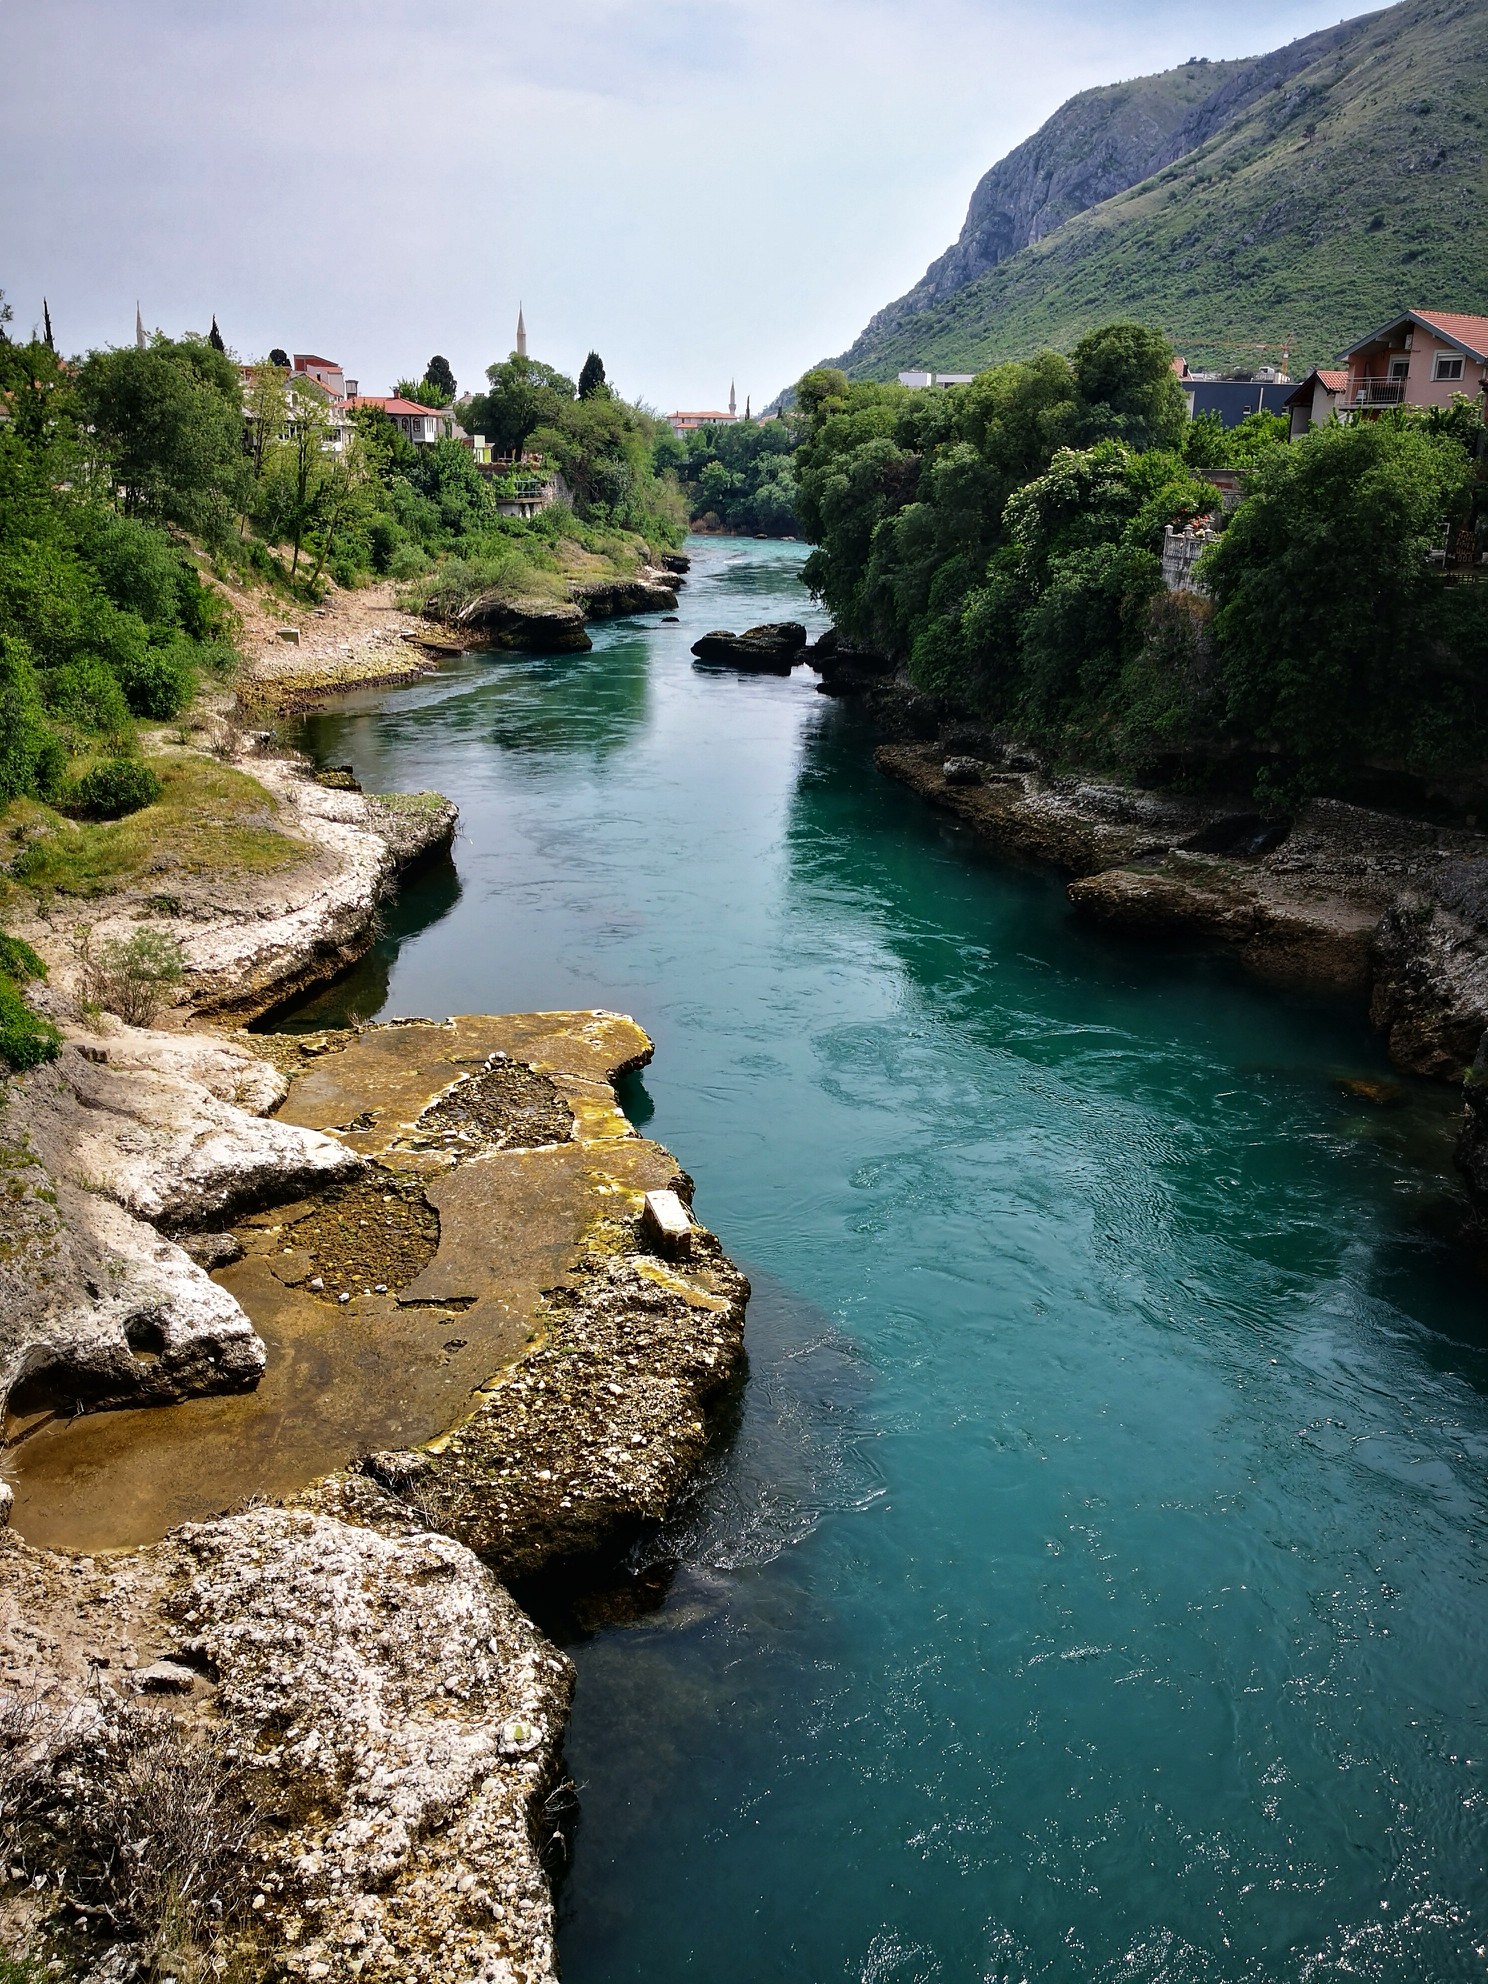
{"points": [[1093, 1586]]}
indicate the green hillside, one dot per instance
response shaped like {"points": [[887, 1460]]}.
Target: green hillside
{"points": [[1353, 186]]}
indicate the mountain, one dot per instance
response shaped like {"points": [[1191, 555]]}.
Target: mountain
{"points": [[1293, 200]]}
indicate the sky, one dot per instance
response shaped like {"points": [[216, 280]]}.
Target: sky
{"points": [[701, 190]]}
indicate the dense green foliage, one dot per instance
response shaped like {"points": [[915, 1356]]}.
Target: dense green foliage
{"points": [[124, 473], [103, 615], [742, 476], [612, 455], [1339, 643], [1003, 539], [113, 788], [1307, 215], [26, 1039]]}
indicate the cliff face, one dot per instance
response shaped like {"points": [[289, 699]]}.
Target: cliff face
{"points": [[1284, 197], [1098, 144]]}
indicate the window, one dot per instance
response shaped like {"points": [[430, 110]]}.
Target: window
{"points": [[1399, 367], [1447, 368]]}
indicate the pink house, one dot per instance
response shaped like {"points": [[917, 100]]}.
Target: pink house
{"points": [[1420, 359]]}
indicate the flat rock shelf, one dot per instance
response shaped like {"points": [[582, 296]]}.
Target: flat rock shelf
{"points": [[506, 1224]]}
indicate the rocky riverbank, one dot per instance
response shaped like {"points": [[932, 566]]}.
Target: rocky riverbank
{"points": [[1390, 909], [342, 1665], [393, 1300], [539, 624]]}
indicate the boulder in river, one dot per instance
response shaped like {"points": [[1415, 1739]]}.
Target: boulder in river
{"points": [[528, 626], [611, 599], [772, 649]]}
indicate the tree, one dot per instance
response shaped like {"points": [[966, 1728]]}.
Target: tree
{"points": [[437, 374], [278, 356], [266, 413], [214, 336], [29, 757], [524, 395], [1127, 387], [818, 389], [169, 422], [298, 474], [1332, 626], [592, 376], [342, 497]]}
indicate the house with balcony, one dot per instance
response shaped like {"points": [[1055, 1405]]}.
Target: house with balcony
{"points": [[1422, 358], [423, 425]]}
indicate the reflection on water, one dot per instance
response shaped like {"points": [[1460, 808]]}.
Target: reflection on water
{"points": [[1092, 1589], [361, 993]]}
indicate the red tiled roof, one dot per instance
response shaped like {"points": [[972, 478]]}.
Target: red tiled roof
{"points": [[1453, 325], [1334, 381], [395, 406], [1459, 328]]}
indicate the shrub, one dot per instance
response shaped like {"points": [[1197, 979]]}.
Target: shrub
{"points": [[159, 681], [129, 976], [114, 787], [407, 562], [31, 755], [18, 960], [26, 1038], [130, 1818], [87, 694]]}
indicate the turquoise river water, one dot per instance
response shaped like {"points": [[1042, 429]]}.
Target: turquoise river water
{"points": [[1093, 1585]]}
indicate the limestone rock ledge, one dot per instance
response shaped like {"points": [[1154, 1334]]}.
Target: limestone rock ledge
{"points": [[396, 1717], [346, 1660], [260, 950], [129, 1139], [1342, 897]]}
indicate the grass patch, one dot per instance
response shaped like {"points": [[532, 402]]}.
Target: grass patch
{"points": [[536, 561], [209, 819]]}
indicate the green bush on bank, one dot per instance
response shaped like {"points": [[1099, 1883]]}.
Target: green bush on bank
{"points": [[104, 618], [112, 789], [26, 1038], [1003, 540]]}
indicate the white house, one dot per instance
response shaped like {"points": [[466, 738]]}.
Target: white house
{"points": [[423, 425]]}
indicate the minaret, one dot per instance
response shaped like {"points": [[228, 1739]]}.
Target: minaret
{"points": [[733, 403], [521, 334], [139, 326]]}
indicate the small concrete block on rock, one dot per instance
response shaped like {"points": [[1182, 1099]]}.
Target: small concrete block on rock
{"points": [[666, 1223], [290, 634]]}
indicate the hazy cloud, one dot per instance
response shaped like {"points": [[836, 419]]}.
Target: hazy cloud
{"points": [[703, 189]]}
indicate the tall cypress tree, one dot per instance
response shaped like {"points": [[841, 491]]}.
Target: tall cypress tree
{"points": [[214, 336], [592, 377]]}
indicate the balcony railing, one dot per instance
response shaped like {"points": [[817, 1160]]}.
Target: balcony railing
{"points": [[1378, 392]]}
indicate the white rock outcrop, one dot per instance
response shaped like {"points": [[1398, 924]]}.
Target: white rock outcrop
{"points": [[128, 1132]]}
